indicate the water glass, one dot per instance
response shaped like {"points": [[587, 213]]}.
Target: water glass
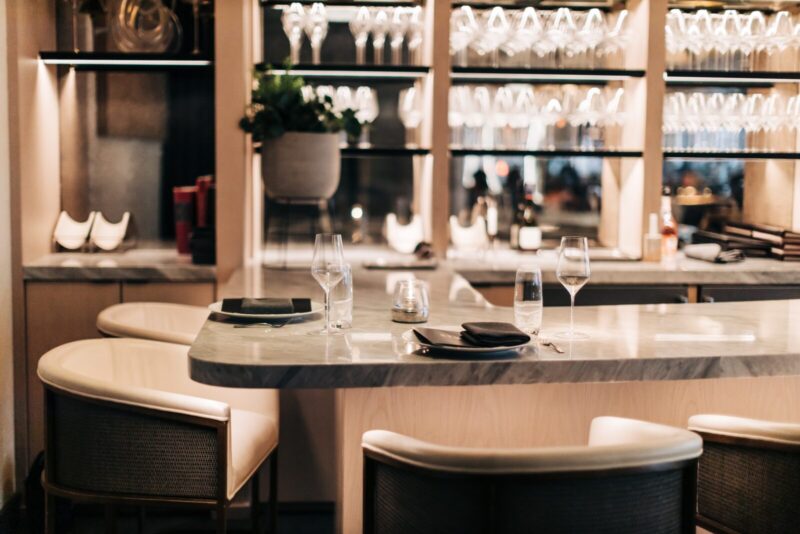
{"points": [[528, 299], [342, 300]]}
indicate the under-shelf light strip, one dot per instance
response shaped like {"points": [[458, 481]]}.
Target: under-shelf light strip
{"points": [[128, 62], [525, 77], [727, 79], [321, 73]]}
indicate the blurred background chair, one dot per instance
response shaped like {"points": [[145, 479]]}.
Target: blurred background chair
{"points": [[125, 424], [632, 476], [749, 475]]}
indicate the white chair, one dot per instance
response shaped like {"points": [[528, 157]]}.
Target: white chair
{"points": [[749, 475], [632, 476], [158, 321], [124, 424]]}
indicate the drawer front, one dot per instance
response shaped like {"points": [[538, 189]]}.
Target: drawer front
{"points": [[58, 313], [731, 293], [194, 293]]}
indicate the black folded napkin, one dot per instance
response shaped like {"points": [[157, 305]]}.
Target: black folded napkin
{"points": [[266, 306], [441, 338], [487, 334]]}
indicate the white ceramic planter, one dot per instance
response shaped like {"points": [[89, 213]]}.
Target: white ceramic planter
{"points": [[301, 165]]}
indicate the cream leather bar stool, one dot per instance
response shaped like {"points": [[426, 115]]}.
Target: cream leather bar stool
{"points": [[631, 477], [124, 424], [749, 475], [159, 321]]}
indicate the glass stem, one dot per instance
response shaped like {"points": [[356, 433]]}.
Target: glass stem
{"points": [[196, 17], [327, 310], [571, 315]]}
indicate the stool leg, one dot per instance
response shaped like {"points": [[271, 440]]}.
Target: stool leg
{"points": [[273, 492], [222, 519], [255, 515], [111, 519], [50, 512], [267, 213]]}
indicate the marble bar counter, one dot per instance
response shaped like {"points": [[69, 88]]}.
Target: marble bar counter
{"points": [[138, 264], [499, 268], [626, 343]]}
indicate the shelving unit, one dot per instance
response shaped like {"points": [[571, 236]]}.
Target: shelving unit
{"points": [[729, 78], [696, 154]]}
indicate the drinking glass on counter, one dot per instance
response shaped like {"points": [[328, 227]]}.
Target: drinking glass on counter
{"points": [[528, 299], [328, 268], [573, 272], [342, 300], [410, 303]]}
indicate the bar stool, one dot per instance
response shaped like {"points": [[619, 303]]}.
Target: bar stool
{"points": [[749, 475], [124, 424], [632, 476], [158, 321]]}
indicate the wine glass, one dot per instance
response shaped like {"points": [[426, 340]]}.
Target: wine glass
{"points": [[573, 273], [360, 25], [463, 30], [380, 27], [328, 268], [409, 109], [293, 20], [416, 26], [316, 29], [398, 25], [365, 102]]}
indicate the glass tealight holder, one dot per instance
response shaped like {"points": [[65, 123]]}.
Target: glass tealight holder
{"points": [[410, 303]]}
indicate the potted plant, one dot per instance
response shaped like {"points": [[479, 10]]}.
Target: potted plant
{"points": [[299, 136]]}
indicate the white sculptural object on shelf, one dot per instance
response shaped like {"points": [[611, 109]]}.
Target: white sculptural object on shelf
{"points": [[472, 237], [109, 236], [71, 234], [404, 238]]}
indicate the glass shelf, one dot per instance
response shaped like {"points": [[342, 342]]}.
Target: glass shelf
{"points": [[373, 73], [541, 75], [731, 78], [124, 61], [605, 5], [553, 153], [696, 154], [377, 151], [344, 3]]}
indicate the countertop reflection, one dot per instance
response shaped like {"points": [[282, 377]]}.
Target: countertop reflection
{"points": [[632, 342]]}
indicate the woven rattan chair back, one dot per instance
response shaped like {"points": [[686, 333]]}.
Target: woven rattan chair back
{"points": [[748, 486], [402, 498]]}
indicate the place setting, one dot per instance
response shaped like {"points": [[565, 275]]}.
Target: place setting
{"points": [[328, 269]]}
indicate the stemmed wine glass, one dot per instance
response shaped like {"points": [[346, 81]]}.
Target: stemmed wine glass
{"points": [[293, 20], [380, 27], [327, 268], [573, 273], [316, 30], [416, 25], [398, 25], [360, 25]]}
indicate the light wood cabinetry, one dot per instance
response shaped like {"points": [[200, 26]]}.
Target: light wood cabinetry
{"points": [[194, 293], [57, 313]]}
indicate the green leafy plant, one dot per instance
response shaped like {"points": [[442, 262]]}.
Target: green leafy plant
{"points": [[279, 105]]}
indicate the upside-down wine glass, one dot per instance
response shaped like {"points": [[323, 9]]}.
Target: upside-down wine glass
{"points": [[573, 272], [380, 27], [398, 25], [328, 268], [316, 30], [360, 26], [293, 20]]}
